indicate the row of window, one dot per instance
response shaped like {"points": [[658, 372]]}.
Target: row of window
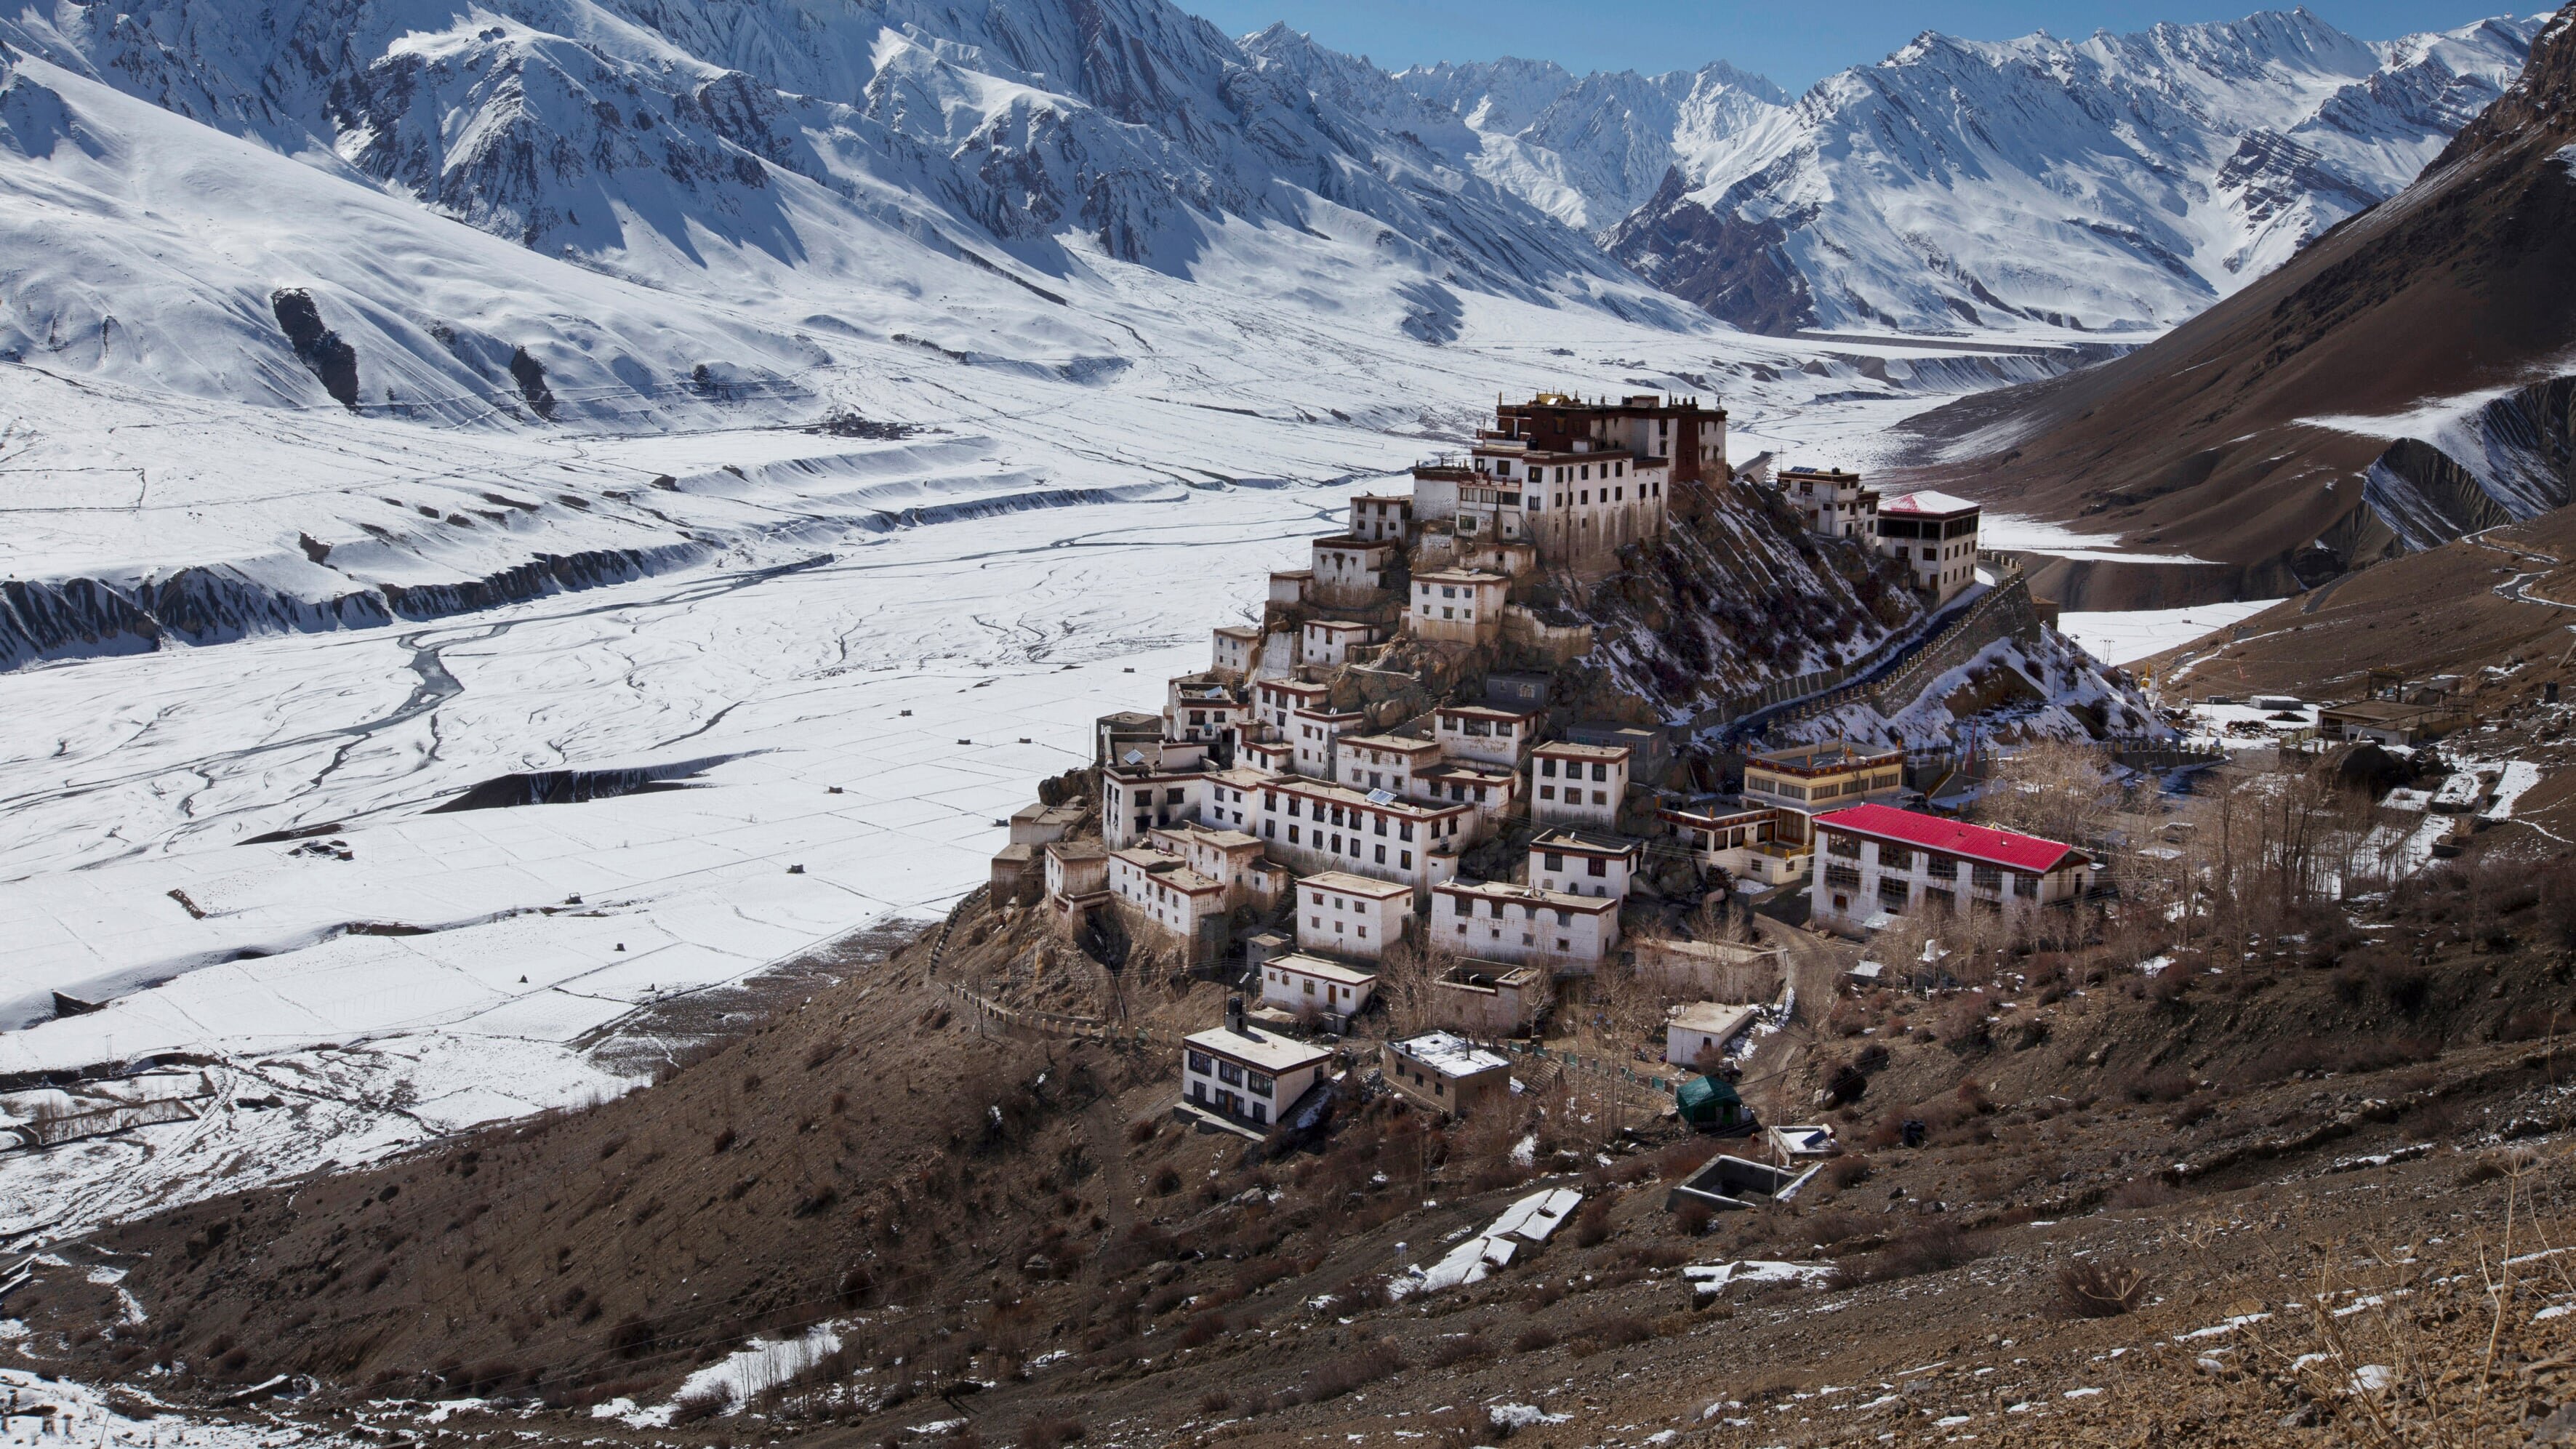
{"points": [[1573, 769], [1233, 1074]]}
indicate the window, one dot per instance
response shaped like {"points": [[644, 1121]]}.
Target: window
{"points": [[1894, 894], [1596, 866], [1599, 772], [1895, 857], [1986, 877], [1229, 1073], [1547, 768], [1199, 1063], [1848, 847], [2025, 885], [1259, 1085], [1555, 862], [1846, 876]]}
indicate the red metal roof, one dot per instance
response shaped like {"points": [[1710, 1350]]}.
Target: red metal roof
{"points": [[1931, 832]]}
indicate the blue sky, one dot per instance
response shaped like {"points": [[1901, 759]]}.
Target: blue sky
{"points": [[1795, 44]]}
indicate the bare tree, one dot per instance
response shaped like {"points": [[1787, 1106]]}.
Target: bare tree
{"points": [[2053, 789]]}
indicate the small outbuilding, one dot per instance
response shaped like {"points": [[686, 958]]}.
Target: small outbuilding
{"points": [[1447, 1073]]}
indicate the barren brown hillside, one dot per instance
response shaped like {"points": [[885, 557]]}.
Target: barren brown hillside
{"points": [[2208, 442]]}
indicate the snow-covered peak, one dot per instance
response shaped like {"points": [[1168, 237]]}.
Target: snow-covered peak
{"points": [[2118, 182]]}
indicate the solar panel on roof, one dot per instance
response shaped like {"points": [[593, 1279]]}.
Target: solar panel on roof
{"points": [[1381, 797]]}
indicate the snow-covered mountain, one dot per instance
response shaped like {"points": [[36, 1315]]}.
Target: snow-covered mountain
{"points": [[177, 176], [2121, 182]]}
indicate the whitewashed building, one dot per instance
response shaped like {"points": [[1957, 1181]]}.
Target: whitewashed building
{"points": [[1135, 799], [1327, 643], [1246, 1073], [1521, 925], [1351, 915], [1573, 784], [1875, 861], [1235, 652], [1447, 1073], [1382, 762], [1315, 826], [1381, 517], [1493, 790], [1580, 862], [1352, 572], [1315, 736], [1459, 606], [1275, 700], [1160, 892], [1306, 985], [1230, 857], [1935, 536], [1484, 734], [1833, 502]]}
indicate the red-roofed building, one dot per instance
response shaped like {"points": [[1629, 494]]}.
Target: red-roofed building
{"points": [[1875, 860], [1935, 536]]}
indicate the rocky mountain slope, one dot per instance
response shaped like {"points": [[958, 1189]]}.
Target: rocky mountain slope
{"points": [[2403, 381], [2118, 183]]}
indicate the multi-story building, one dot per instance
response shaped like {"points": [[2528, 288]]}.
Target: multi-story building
{"points": [[1494, 791], [1522, 925], [1351, 915], [1458, 606], [1484, 733], [1381, 516], [1327, 643], [1804, 780], [1316, 736], [1203, 709], [1161, 893], [1935, 536], [1575, 784], [1382, 762], [1230, 857], [1236, 653], [1313, 825], [1876, 860], [1576, 479], [1748, 842], [1833, 502], [1136, 798], [1352, 572], [1247, 1073], [1274, 700], [1583, 862]]}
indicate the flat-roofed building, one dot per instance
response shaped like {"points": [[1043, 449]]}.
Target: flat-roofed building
{"points": [[1203, 709], [1235, 652], [1489, 998], [1698, 1031], [1764, 844], [1314, 825], [1484, 733], [1351, 915], [1313, 987], [1352, 572], [1038, 824], [1494, 790], [1327, 643], [1161, 893], [1573, 784], [1576, 479], [1128, 731], [1381, 516], [1581, 862], [1522, 925], [1935, 536], [1317, 734], [1274, 700], [1875, 860], [1458, 606], [1382, 762], [1805, 780], [1077, 871], [1833, 502], [1246, 1073], [1230, 857], [1134, 799], [1447, 1073], [1291, 586]]}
